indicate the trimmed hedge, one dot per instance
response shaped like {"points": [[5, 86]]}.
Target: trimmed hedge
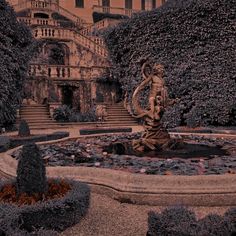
{"points": [[56, 214], [15, 142], [180, 221]]}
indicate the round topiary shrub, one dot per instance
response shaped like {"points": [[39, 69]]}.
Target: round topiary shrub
{"points": [[57, 213], [174, 221], [37, 202], [230, 215], [24, 129], [215, 225], [180, 221]]}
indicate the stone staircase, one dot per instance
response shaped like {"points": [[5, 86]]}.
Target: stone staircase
{"points": [[37, 116], [118, 116]]}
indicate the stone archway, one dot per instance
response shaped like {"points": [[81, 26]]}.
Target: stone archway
{"points": [[55, 53]]}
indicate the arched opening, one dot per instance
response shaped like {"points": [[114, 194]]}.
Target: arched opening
{"points": [[56, 53], [41, 15]]}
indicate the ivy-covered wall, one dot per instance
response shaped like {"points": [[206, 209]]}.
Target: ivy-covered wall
{"points": [[195, 41]]}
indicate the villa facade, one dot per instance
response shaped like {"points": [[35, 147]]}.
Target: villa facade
{"points": [[72, 55]]}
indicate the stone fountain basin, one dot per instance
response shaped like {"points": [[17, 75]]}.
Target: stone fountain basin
{"points": [[199, 190]]}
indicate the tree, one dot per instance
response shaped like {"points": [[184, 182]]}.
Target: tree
{"points": [[16, 50], [195, 41]]}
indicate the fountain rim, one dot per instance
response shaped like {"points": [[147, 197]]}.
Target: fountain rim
{"points": [[161, 190]]}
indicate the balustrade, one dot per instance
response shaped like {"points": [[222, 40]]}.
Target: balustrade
{"points": [[68, 34], [38, 21], [67, 72], [49, 5], [97, 26], [114, 10]]}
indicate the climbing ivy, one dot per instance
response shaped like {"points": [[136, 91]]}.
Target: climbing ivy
{"points": [[195, 41], [16, 48]]}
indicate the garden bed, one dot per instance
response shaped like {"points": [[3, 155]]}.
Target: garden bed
{"points": [[56, 212]]}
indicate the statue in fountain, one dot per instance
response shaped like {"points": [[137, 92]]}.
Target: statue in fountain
{"points": [[155, 135]]}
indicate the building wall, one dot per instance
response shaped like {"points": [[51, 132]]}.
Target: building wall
{"points": [[92, 5]]}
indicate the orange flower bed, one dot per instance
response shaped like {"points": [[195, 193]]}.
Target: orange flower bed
{"points": [[55, 190]]}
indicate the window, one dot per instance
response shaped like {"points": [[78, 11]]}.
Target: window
{"points": [[79, 3], [148, 4], [154, 4], [106, 3], [143, 5], [128, 4]]}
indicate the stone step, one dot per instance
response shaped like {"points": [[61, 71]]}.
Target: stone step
{"points": [[35, 113], [120, 119], [118, 112], [34, 109], [40, 121], [35, 117]]}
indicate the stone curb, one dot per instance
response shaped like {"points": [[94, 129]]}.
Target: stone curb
{"points": [[211, 190]]}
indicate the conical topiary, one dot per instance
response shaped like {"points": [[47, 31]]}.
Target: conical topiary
{"points": [[24, 129], [31, 172]]}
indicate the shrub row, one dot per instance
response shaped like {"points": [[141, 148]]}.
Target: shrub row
{"points": [[15, 142], [56, 214], [12, 142], [66, 114], [179, 221]]}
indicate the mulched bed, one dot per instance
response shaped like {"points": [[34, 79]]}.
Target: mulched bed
{"points": [[56, 190]]}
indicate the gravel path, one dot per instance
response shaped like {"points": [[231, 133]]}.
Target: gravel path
{"points": [[107, 217]]}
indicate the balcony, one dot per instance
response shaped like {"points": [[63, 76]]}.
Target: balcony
{"points": [[114, 10]]}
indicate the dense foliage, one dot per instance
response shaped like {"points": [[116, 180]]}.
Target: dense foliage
{"points": [[195, 41], [180, 221], [98, 16], [37, 219], [16, 47], [31, 173], [65, 114]]}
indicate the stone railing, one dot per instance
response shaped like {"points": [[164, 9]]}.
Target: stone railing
{"points": [[91, 29], [97, 40], [115, 10], [51, 22], [38, 21], [69, 34], [51, 6], [64, 71]]}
